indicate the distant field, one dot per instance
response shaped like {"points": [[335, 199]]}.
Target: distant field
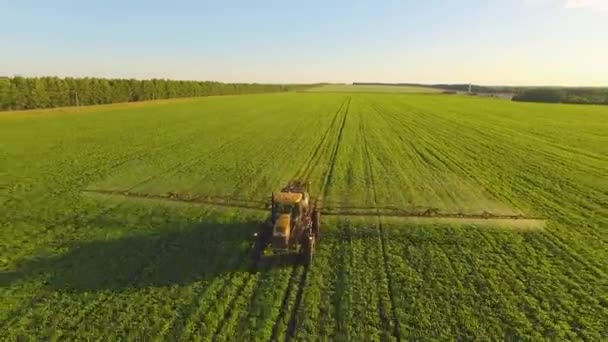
{"points": [[371, 89], [82, 265]]}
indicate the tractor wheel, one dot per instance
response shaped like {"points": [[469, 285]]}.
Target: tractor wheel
{"points": [[308, 249], [256, 253], [316, 223], [259, 245]]}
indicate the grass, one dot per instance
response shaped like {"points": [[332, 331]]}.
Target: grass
{"points": [[348, 88], [82, 265]]}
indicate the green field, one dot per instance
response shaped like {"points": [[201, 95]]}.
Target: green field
{"points": [[77, 264], [348, 88]]}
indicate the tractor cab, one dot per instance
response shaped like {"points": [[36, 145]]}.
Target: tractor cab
{"points": [[287, 203], [292, 225], [287, 210]]}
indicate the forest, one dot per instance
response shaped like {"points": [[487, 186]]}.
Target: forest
{"points": [[564, 95], [18, 93]]}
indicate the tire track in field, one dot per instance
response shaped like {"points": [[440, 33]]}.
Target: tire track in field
{"points": [[285, 302], [304, 174], [314, 158], [293, 321], [396, 329], [328, 177], [329, 174]]}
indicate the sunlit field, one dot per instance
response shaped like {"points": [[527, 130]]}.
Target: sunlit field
{"points": [[91, 244]]}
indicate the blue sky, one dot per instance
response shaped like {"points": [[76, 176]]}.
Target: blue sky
{"points": [[548, 42]]}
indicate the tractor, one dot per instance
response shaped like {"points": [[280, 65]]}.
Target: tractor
{"points": [[292, 226]]}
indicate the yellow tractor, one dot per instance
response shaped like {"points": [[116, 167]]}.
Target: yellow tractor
{"points": [[292, 226]]}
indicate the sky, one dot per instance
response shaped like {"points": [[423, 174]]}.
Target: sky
{"points": [[491, 42]]}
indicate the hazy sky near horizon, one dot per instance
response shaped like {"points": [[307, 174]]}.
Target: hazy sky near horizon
{"points": [[526, 42]]}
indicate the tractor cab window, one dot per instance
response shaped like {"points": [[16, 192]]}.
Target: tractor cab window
{"points": [[295, 211], [281, 208], [292, 209]]}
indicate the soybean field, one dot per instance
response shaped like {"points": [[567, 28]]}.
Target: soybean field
{"points": [[92, 246]]}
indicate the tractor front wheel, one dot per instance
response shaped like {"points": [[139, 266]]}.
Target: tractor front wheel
{"points": [[316, 223], [308, 249], [256, 253], [261, 241]]}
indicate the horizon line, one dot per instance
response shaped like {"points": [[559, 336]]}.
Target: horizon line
{"points": [[353, 83]]}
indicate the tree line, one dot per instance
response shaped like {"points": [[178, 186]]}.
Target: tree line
{"points": [[564, 95], [575, 95], [48, 92], [462, 87]]}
